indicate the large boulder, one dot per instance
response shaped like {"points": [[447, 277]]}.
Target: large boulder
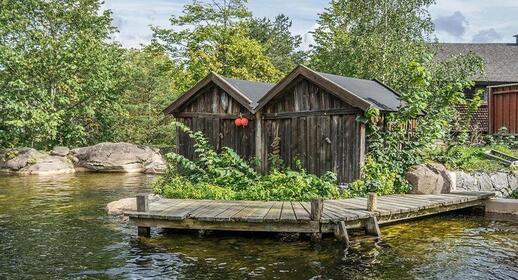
{"points": [[50, 165], [431, 178], [16, 159], [119, 157], [31, 161]]}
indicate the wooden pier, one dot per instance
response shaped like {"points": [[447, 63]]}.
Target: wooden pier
{"points": [[315, 217]]}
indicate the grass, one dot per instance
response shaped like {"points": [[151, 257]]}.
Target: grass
{"points": [[472, 159]]}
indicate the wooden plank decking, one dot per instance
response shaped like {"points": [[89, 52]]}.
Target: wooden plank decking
{"points": [[286, 216]]}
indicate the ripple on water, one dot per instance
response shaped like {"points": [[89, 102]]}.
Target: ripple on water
{"points": [[57, 228]]}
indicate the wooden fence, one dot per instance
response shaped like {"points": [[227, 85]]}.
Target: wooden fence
{"points": [[503, 108]]}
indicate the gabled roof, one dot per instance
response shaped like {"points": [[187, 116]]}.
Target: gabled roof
{"points": [[501, 60], [360, 93], [247, 93], [252, 90]]}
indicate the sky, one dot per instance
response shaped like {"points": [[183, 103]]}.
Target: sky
{"points": [[456, 21]]}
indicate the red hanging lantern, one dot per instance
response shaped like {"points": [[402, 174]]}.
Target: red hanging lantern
{"points": [[244, 122], [238, 122]]}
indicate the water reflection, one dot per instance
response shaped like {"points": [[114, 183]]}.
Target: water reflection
{"points": [[56, 227]]}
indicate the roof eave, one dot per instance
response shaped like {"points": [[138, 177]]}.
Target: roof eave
{"points": [[220, 82], [318, 79]]}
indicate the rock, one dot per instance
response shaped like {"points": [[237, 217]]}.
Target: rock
{"points": [[429, 179], [60, 151], [119, 157], [513, 180], [465, 181], [120, 206], [156, 165], [30, 161], [499, 180], [484, 182], [453, 177], [50, 165], [14, 160], [501, 183]]}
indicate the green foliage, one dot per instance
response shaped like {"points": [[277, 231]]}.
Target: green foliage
{"points": [[388, 41], [62, 81], [227, 176], [278, 42], [514, 194], [216, 37], [502, 138], [469, 158], [377, 178], [151, 82], [58, 73], [371, 39], [430, 103]]}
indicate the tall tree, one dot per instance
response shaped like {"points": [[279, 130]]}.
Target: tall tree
{"points": [[151, 82], [58, 73], [214, 37], [371, 38], [280, 44]]}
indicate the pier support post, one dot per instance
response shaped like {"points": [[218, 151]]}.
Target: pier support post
{"points": [[317, 207], [372, 227], [143, 206], [372, 202], [341, 233]]}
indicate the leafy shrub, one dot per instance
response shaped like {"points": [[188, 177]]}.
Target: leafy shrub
{"points": [[430, 92], [514, 194], [227, 176], [502, 138], [469, 158], [379, 179]]}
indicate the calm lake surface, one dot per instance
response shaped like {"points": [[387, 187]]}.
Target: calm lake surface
{"points": [[56, 228]]}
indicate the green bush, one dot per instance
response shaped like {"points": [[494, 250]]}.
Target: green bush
{"points": [[470, 158], [227, 176]]}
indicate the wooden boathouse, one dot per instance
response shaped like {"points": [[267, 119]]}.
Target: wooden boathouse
{"points": [[308, 116], [212, 106]]}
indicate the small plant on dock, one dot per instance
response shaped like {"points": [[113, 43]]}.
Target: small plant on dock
{"points": [[226, 175]]}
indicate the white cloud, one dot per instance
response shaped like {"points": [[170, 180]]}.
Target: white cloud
{"points": [[133, 17]]}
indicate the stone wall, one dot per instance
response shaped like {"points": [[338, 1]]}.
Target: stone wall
{"points": [[501, 183]]}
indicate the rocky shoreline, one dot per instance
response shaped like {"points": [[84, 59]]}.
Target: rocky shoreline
{"points": [[501, 183], [102, 157], [433, 178]]}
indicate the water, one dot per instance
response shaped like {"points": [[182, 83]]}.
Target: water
{"points": [[56, 228]]}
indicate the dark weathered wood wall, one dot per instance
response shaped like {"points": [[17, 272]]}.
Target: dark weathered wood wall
{"points": [[503, 108], [212, 111], [307, 123]]}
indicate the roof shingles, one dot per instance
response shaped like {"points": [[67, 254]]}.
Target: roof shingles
{"points": [[252, 90], [371, 91], [501, 60]]}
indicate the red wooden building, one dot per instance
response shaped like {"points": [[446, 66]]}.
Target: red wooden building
{"points": [[503, 108]]}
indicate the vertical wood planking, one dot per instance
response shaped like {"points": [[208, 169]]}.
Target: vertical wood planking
{"points": [[214, 100], [503, 108]]}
